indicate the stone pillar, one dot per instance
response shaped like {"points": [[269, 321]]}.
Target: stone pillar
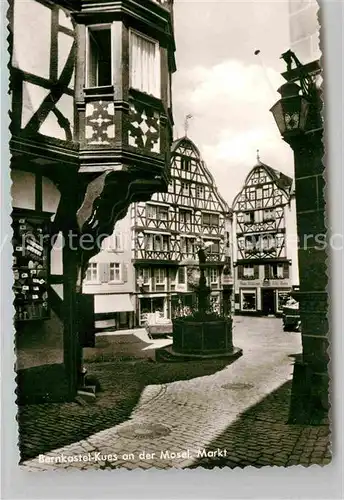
{"points": [[309, 401]]}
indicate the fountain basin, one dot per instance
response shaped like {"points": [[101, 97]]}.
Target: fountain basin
{"points": [[202, 337]]}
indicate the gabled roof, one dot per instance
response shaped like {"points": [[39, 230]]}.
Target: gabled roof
{"points": [[185, 142], [281, 180]]}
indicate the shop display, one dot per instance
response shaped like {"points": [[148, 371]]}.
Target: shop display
{"points": [[31, 265]]}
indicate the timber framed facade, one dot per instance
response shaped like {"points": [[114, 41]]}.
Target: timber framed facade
{"points": [[164, 233], [265, 255], [90, 134]]}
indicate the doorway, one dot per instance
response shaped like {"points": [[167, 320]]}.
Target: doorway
{"points": [[268, 301]]}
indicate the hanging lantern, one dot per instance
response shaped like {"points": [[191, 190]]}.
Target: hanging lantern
{"points": [[291, 111]]}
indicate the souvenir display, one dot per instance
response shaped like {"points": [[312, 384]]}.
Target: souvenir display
{"points": [[30, 267]]}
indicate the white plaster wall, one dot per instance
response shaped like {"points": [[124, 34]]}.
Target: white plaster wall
{"points": [[123, 226], [32, 25], [31, 54], [304, 29], [23, 189]]}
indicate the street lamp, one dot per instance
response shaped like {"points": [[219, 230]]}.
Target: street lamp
{"points": [[298, 117], [291, 111], [298, 111]]}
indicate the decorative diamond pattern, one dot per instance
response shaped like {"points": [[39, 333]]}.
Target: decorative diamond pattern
{"points": [[144, 128], [292, 121], [100, 127]]}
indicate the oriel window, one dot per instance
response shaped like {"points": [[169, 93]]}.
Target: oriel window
{"points": [[99, 72], [144, 64]]}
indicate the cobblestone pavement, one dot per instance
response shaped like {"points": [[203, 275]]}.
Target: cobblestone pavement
{"points": [[233, 416]]}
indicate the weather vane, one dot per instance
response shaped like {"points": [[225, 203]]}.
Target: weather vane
{"points": [[186, 123]]}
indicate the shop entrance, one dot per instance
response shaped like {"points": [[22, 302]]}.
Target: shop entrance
{"points": [[268, 301], [151, 305]]}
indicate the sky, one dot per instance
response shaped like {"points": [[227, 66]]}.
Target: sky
{"points": [[227, 89]]}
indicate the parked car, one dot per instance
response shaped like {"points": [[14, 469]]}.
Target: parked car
{"points": [[158, 326], [291, 316]]}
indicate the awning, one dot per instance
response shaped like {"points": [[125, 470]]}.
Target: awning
{"points": [[115, 302]]}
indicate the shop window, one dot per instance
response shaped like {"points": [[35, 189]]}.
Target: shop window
{"points": [[144, 64], [282, 298], [248, 300], [99, 72]]}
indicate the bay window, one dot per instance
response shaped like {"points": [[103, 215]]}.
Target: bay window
{"points": [[144, 64], [99, 60]]}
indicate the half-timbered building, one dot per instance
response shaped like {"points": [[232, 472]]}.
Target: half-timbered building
{"points": [[265, 247], [164, 235], [91, 132]]}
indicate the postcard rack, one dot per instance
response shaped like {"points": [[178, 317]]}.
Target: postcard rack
{"points": [[31, 266]]}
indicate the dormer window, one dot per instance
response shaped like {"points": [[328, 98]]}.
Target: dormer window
{"points": [[99, 67], [144, 64]]}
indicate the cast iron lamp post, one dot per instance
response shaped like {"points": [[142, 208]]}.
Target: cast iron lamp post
{"points": [[298, 117]]}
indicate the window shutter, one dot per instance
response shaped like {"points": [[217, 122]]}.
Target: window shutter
{"points": [[267, 271], [256, 272], [285, 270], [240, 272], [124, 272], [104, 272]]}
